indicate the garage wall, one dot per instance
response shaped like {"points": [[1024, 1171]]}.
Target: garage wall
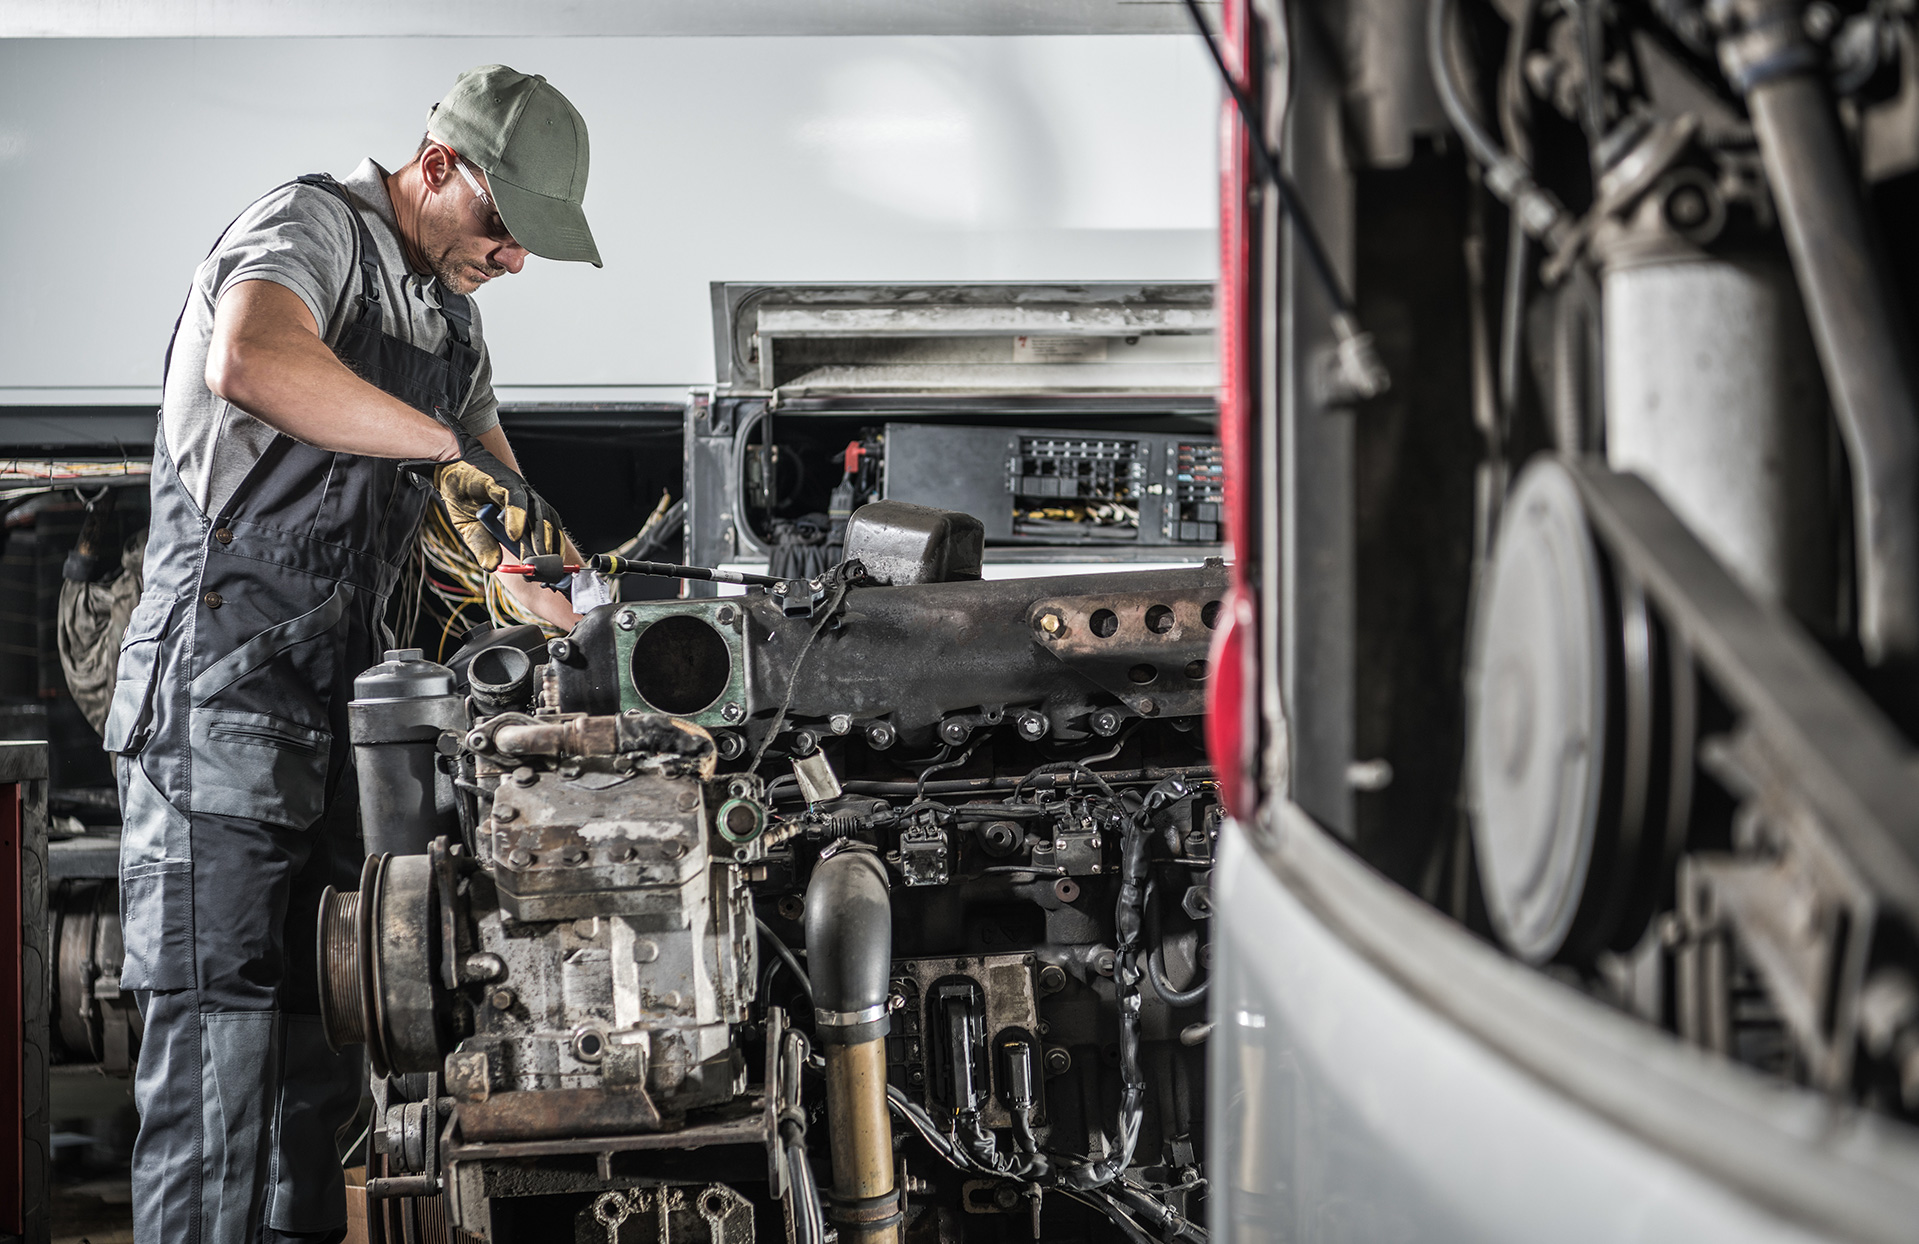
{"points": [[828, 158]]}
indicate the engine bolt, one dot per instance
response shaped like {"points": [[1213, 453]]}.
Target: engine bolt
{"points": [[626, 620], [954, 732], [625, 855], [675, 850], [486, 966], [1106, 723], [505, 812], [880, 736], [502, 999], [792, 907], [1052, 978], [1147, 708], [560, 649], [576, 855], [1006, 1197], [724, 615], [840, 723], [1058, 1060], [733, 712], [1105, 962], [1050, 623], [520, 857], [1066, 890], [586, 929], [688, 800], [524, 776]]}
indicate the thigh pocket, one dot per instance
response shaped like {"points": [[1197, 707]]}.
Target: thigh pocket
{"points": [[258, 766], [130, 716], [156, 923]]}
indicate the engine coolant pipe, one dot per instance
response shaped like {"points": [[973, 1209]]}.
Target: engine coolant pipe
{"points": [[849, 954]]}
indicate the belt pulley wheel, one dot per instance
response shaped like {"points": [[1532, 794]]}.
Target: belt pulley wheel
{"points": [[1582, 720], [349, 966]]}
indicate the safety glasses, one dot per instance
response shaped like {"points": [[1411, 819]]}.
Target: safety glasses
{"points": [[483, 205]]}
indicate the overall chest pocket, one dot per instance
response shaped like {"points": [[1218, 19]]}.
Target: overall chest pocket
{"points": [[254, 764]]}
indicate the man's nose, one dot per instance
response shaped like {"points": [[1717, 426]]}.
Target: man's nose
{"points": [[511, 256]]}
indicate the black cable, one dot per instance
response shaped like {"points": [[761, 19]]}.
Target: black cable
{"points": [[831, 607], [1359, 364], [1507, 176], [1128, 918], [1270, 172], [1066, 766], [1156, 977], [785, 952]]}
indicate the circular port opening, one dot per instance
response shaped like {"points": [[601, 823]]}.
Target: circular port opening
{"points": [[1159, 619], [681, 665], [1209, 614], [1103, 623], [501, 668], [741, 820], [589, 1046], [1196, 670], [1142, 674]]}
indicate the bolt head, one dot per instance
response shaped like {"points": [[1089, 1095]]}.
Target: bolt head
{"points": [[520, 857], [1050, 623], [724, 615], [732, 712], [626, 619], [560, 649], [502, 999], [506, 813]]}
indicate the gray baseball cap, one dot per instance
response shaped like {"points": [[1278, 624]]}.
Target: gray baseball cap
{"points": [[531, 143]]}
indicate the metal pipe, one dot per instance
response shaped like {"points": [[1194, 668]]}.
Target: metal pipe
{"points": [[849, 951], [1854, 319], [862, 1139]]}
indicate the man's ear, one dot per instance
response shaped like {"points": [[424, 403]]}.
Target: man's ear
{"points": [[436, 166]]}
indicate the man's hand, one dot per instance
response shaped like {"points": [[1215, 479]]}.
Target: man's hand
{"points": [[477, 479]]}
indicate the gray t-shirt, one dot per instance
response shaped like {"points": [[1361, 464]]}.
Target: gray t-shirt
{"points": [[300, 237]]}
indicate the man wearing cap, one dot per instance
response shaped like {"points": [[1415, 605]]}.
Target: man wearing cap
{"points": [[327, 377]]}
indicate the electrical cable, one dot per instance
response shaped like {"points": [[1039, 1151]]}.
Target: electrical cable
{"points": [[785, 952], [1359, 362], [1507, 176], [1156, 976], [827, 611]]}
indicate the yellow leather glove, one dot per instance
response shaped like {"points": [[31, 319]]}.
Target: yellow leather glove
{"points": [[477, 479]]}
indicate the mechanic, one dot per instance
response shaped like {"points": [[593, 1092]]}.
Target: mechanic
{"points": [[327, 374]]}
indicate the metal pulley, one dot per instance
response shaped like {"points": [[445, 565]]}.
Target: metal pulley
{"points": [[1580, 734], [378, 966]]}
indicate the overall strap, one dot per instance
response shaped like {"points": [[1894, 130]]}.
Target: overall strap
{"points": [[366, 254], [166, 365]]}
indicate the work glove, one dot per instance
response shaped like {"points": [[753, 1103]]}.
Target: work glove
{"points": [[477, 479]]}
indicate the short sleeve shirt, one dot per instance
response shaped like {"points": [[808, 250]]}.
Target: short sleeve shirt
{"points": [[303, 238]]}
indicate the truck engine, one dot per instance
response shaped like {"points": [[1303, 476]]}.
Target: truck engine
{"points": [[870, 907]]}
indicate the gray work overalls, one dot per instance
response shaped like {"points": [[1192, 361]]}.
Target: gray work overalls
{"points": [[239, 799]]}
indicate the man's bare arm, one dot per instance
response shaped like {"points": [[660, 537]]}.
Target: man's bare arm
{"points": [[267, 358]]}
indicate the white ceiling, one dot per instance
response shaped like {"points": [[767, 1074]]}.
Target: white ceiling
{"points": [[126, 19]]}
